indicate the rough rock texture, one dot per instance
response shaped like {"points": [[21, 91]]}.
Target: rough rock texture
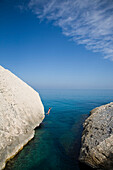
{"points": [[21, 110], [97, 138]]}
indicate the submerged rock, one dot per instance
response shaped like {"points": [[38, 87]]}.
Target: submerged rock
{"points": [[21, 111], [97, 138]]}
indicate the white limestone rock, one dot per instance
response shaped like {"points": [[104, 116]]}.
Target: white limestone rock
{"points": [[97, 138], [21, 111]]}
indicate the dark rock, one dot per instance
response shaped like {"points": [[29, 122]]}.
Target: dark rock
{"points": [[97, 138]]}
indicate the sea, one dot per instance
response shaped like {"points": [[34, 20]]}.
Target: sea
{"points": [[57, 141]]}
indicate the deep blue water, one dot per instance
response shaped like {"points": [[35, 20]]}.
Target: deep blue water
{"points": [[57, 141]]}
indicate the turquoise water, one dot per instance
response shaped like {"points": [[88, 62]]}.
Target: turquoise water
{"points": [[57, 141]]}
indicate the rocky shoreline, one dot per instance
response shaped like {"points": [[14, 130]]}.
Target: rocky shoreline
{"points": [[21, 111], [97, 138]]}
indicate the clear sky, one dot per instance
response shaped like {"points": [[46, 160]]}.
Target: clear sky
{"points": [[58, 44]]}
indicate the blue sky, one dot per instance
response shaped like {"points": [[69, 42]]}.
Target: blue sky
{"points": [[58, 44]]}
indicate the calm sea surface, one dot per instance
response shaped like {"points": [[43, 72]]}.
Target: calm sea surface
{"points": [[57, 141]]}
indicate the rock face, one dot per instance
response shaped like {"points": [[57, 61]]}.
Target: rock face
{"points": [[21, 111], [97, 138]]}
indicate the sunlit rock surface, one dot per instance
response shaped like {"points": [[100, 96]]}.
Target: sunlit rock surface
{"points": [[21, 110], [97, 138]]}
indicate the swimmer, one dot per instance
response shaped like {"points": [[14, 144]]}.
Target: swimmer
{"points": [[48, 111]]}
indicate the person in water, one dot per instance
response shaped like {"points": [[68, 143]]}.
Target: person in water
{"points": [[48, 111]]}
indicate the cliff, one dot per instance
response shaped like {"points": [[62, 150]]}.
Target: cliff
{"points": [[97, 138], [21, 111]]}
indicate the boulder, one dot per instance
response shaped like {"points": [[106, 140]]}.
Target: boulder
{"points": [[21, 111], [97, 138]]}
